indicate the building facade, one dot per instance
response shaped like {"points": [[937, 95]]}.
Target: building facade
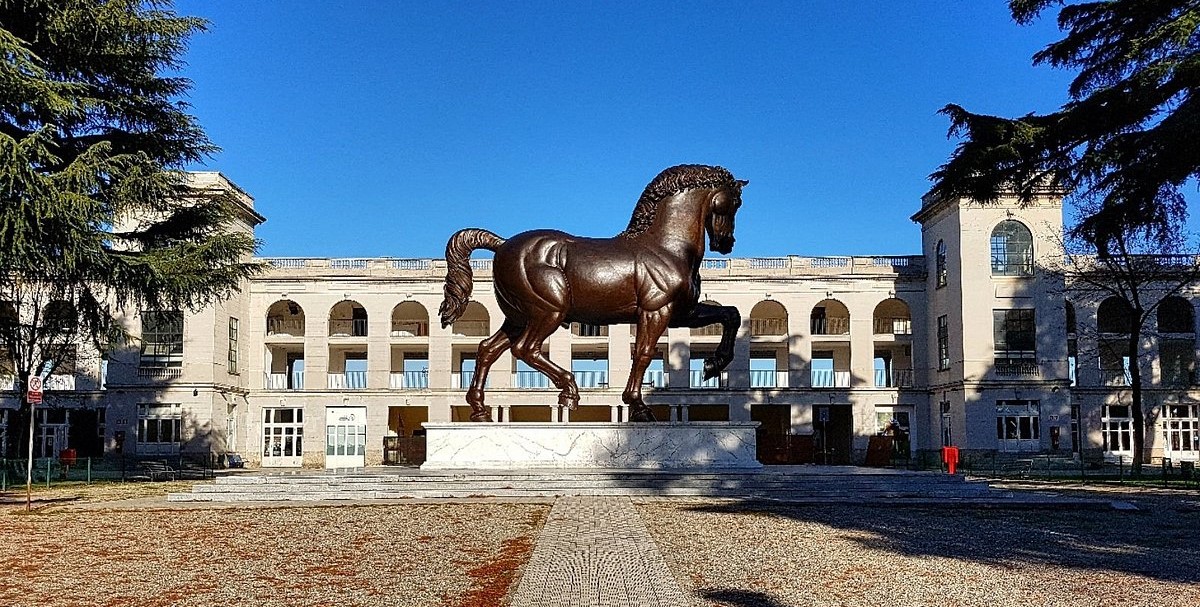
{"points": [[337, 362]]}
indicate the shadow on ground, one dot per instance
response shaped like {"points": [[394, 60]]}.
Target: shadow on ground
{"points": [[739, 598], [1159, 541]]}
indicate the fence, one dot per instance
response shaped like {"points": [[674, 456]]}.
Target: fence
{"points": [[49, 471], [1059, 467]]}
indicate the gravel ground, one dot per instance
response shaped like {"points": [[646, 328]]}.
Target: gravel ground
{"points": [[737, 554], [423, 555]]}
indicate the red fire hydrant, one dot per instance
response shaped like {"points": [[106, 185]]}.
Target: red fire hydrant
{"points": [[950, 458]]}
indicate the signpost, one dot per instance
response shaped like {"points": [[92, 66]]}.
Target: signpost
{"points": [[34, 393]]}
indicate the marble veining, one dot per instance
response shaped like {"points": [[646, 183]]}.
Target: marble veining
{"points": [[590, 445]]}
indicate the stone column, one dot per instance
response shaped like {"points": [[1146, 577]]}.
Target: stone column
{"points": [[379, 359], [679, 358]]}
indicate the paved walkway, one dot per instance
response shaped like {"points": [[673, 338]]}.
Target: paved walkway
{"points": [[593, 552]]}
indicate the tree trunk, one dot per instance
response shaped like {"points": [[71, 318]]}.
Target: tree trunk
{"points": [[1135, 389]]}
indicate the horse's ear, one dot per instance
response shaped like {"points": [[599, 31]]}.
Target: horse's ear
{"points": [[742, 183]]}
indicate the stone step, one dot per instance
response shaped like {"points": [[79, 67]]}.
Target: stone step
{"points": [[807, 484], [785, 494], [491, 489]]}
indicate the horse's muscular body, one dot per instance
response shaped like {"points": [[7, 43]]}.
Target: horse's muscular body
{"points": [[598, 281], [648, 275]]}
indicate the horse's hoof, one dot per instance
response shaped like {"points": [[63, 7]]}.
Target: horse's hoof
{"points": [[711, 368], [642, 414], [570, 402], [481, 416]]}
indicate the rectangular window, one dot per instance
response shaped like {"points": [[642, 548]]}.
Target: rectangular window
{"points": [[943, 342], [162, 339], [233, 345], [947, 434], [1116, 429], [763, 371], [1015, 340], [159, 425]]}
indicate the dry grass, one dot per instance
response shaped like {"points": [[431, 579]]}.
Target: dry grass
{"points": [[396, 555], [772, 555]]}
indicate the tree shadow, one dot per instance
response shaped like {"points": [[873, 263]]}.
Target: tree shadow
{"points": [[734, 597], [1162, 544]]}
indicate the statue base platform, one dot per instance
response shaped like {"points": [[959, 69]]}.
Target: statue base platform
{"points": [[656, 445]]}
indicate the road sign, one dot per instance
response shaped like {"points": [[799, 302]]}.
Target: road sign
{"points": [[34, 394]]}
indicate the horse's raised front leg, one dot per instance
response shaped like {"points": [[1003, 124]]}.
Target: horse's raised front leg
{"points": [[489, 350], [706, 314], [528, 347], [650, 327]]}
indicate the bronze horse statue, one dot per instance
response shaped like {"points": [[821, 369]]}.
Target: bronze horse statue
{"points": [[648, 274]]}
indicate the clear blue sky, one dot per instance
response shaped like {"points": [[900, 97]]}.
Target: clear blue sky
{"points": [[379, 128]]}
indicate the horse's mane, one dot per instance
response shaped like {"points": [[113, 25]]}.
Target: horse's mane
{"points": [[672, 181]]}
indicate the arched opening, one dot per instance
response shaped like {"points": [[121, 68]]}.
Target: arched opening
{"points": [[59, 316], [474, 322], [1114, 320], [892, 317], [410, 319], [893, 365], [348, 318], [1175, 315], [1114, 316], [1176, 342], [285, 317], [830, 317], [1012, 249], [830, 365], [768, 318]]}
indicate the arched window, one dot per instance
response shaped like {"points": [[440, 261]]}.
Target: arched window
{"points": [[941, 263], [1114, 316], [1175, 315], [1012, 249]]}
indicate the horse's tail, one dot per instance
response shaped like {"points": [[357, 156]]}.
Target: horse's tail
{"points": [[457, 289]]}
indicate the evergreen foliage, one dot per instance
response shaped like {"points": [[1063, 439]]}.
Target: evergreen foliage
{"points": [[95, 208], [1126, 143]]}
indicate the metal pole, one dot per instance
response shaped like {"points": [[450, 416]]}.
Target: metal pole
{"points": [[47, 473], [89, 470], [29, 463]]}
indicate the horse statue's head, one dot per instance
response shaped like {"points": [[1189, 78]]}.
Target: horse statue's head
{"points": [[724, 197], [725, 203]]}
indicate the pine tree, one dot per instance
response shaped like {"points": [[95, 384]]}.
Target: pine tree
{"points": [[96, 216], [1126, 145]]}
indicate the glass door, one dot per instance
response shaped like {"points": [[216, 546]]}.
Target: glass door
{"points": [[283, 437], [1181, 432], [345, 437]]}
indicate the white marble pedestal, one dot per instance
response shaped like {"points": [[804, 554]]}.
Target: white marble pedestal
{"points": [[514, 446]]}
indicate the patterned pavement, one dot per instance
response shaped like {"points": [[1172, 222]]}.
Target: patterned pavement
{"points": [[593, 552]]}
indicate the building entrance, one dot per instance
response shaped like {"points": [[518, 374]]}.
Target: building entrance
{"points": [[345, 437], [833, 429], [283, 437]]}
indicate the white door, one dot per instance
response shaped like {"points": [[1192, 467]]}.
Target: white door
{"points": [[1181, 432], [283, 437], [345, 437]]}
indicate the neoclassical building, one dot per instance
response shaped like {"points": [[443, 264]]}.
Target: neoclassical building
{"points": [[337, 362]]}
